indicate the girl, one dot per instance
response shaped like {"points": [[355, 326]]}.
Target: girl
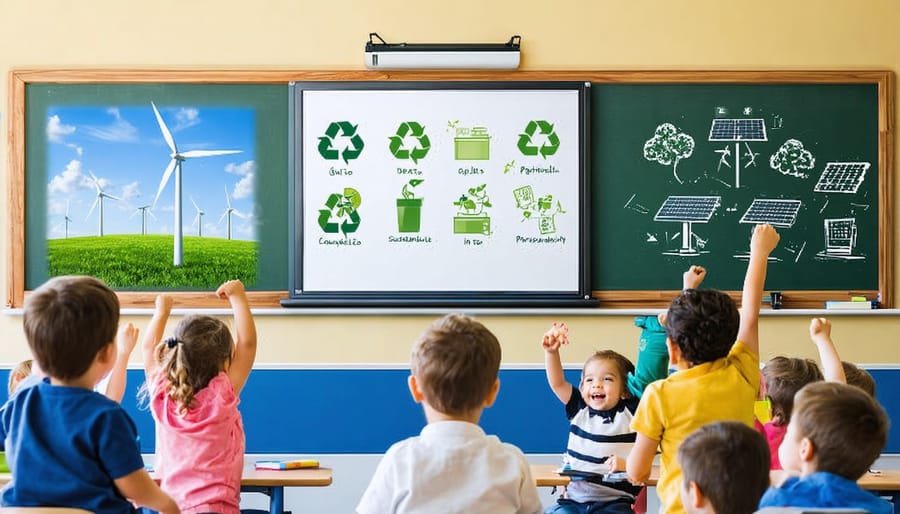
{"points": [[193, 382]]}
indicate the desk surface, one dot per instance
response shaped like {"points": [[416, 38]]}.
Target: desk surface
{"points": [[267, 477], [545, 475]]}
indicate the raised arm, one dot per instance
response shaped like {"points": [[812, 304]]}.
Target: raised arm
{"points": [[557, 336], [693, 277], [245, 340], [764, 240], [820, 333], [126, 340], [154, 334]]}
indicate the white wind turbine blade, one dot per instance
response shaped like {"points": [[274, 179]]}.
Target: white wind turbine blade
{"points": [[96, 182], [190, 154], [196, 219], [96, 200], [165, 178], [67, 209], [240, 214], [195, 204], [151, 213], [113, 197], [222, 217], [227, 198], [165, 130]]}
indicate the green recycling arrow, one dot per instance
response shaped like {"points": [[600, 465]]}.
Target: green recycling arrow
{"points": [[326, 143], [549, 147], [414, 129]]}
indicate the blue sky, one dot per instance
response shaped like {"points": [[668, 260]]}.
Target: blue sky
{"points": [[124, 148]]}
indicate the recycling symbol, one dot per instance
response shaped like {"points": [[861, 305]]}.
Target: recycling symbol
{"points": [[342, 207], [410, 128], [549, 147], [326, 142]]}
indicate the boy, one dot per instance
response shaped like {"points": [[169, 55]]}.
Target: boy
{"points": [[859, 377], [452, 466], [67, 445], [836, 432], [716, 352], [725, 468]]}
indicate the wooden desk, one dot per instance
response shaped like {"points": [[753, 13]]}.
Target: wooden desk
{"points": [[885, 483], [266, 481]]}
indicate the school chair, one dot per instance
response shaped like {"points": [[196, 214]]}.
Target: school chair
{"points": [[42, 510]]}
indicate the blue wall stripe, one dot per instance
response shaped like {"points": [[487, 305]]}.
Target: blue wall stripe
{"points": [[322, 411]]}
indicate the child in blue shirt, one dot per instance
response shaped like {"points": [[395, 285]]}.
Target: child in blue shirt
{"points": [[835, 433], [66, 445]]}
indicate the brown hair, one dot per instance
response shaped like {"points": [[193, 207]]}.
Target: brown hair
{"points": [[623, 365], [17, 374], [68, 321], [455, 362], [703, 323], [785, 376], [859, 377], [197, 352], [709, 457], [846, 426]]}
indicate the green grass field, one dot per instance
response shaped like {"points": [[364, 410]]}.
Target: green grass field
{"points": [[144, 262]]}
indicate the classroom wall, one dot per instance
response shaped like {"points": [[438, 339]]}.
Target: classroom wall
{"points": [[302, 34]]}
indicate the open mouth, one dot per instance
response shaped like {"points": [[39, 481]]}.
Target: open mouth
{"points": [[597, 397]]}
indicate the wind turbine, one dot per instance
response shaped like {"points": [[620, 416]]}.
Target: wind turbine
{"points": [[175, 165], [67, 219], [144, 210], [198, 219], [101, 194], [228, 211]]}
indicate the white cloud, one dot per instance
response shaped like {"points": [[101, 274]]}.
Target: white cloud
{"points": [[87, 182], [119, 131], [131, 190], [64, 182], [79, 151], [56, 130], [243, 169], [186, 117], [244, 188]]}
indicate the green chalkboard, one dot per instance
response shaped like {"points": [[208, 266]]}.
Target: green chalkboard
{"points": [[683, 171], [84, 138]]}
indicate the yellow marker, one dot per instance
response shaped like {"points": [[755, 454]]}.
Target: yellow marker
{"points": [[858, 299]]}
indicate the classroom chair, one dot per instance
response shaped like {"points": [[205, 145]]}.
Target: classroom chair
{"points": [[42, 510]]}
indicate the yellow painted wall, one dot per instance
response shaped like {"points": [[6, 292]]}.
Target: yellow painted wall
{"points": [[565, 34]]}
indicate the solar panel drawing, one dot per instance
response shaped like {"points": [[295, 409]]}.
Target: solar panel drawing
{"points": [[775, 212], [840, 239], [842, 177], [687, 210], [737, 130]]}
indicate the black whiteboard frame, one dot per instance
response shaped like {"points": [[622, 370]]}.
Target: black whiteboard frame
{"points": [[298, 297]]}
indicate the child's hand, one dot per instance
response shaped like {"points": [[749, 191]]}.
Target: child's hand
{"points": [[764, 239], [615, 463], [126, 339], [557, 336], [693, 277], [231, 288], [164, 304], [820, 330]]}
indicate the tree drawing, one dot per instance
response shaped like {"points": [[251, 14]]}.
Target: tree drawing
{"points": [[668, 146], [792, 159]]}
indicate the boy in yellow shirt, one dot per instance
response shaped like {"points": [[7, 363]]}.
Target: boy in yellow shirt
{"points": [[716, 351]]}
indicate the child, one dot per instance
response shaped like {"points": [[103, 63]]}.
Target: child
{"points": [[716, 352], [784, 376], [836, 432], [193, 382], [18, 374], [600, 410], [67, 445], [859, 377], [452, 466], [725, 467]]}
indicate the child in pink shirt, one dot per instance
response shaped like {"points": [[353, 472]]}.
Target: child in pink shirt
{"points": [[193, 382]]}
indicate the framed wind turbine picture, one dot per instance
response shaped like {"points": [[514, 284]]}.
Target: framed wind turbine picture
{"points": [[118, 173]]}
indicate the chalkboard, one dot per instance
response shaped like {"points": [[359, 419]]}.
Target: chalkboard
{"points": [[682, 172], [710, 152]]}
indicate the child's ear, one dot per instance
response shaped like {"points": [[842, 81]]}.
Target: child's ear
{"points": [[107, 355], [414, 389], [807, 450], [493, 394], [695, 495], [674, 352]]}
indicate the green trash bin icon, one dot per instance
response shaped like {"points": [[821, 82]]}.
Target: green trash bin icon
{"points": [[409, 214]]}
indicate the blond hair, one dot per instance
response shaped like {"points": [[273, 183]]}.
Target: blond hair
{"points": [[17, 374]]}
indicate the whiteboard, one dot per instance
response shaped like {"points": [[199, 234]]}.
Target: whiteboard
{"points": [[446, 191]]}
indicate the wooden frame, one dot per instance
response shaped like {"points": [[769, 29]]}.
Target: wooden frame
{"points": [[19, 78]]}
